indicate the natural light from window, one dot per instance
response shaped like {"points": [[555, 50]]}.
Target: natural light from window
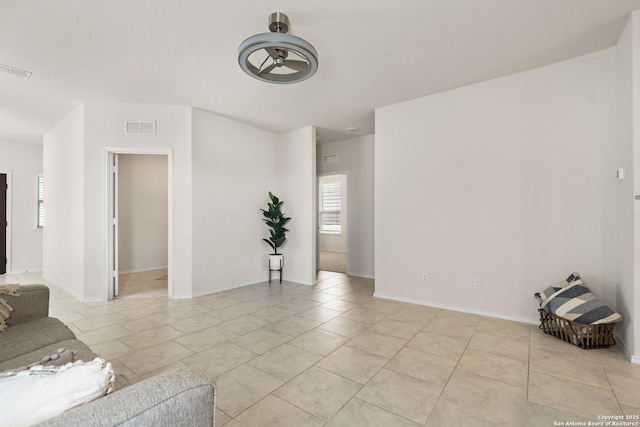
{"points": [[330, 208], [40, 216]]}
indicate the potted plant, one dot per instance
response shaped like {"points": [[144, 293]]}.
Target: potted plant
{"points": [[275, 220]]}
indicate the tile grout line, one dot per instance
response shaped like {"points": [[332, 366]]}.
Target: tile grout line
{"points": [[258, 299]]}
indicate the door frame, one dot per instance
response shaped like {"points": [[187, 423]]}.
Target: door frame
{"points": [[109, 153], [9, 210], [317, 213]]}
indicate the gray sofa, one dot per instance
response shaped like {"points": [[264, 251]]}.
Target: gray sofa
{"points": [[180, 397]]}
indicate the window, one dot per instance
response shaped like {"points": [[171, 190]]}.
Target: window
{"points": [[40, 201], [330, 208]]}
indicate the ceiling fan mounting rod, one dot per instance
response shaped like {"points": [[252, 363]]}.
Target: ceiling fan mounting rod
{"points": [[278, 22]]}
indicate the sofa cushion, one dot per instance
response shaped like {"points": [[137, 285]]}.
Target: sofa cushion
{"points": [[33, 303], [26, 337], [179, 397]]}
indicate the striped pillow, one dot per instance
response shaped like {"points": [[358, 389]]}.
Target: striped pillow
{"points": [[576, 303], [542, 296]]}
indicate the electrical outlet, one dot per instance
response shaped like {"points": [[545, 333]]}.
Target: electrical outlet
{"points": [[425, 277], [477, 283]]}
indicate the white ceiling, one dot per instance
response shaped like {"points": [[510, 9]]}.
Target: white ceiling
{"points": [[372, 53]]}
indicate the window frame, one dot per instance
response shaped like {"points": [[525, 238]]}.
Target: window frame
{"points": [[333, 212], [40, 202]]}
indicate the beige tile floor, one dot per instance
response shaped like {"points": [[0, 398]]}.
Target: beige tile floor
{"points": [[332, 354], [143, 284], [333, 261]]}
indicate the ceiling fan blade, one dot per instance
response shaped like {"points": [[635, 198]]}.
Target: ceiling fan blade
{"points": [[268, 69], [263, 62], [296, 65], [272, 52]]}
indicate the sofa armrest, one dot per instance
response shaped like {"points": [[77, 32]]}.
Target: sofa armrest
{"points": [[33, 303], [180, 397]]}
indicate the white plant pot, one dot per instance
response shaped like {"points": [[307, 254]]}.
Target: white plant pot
{"points": [[276, 262]]}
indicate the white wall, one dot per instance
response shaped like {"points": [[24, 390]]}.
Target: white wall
{"points": [[628, 212], [75, 168], [64, 231], [233, 171], [356, 156], [24, 161], [503, 181], [142, 212], [635, 347], [104, 128], [329, 241], [296, 186], [209, 156]]}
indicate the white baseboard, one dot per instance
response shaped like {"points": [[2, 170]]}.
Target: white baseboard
{"points": [[94, 299], [293, 282], [623, 346], [59, 285], [276, 280], [620, 342], [531, 321], [226, 288], [142, 270], [74, 294], [182, 296], [29, 270], [364, 276], [262, 282]]}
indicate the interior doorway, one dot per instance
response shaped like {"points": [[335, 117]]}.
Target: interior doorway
{"points": [[333, 227], [139, 223], [4, 188], [142, 225]]}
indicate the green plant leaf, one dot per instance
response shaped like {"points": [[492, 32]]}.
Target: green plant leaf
{"points": [[270, 244], [275, 220]]}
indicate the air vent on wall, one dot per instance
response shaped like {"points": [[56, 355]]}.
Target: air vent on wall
{"points": [[139, 128], [15, 72], [330, 158]]}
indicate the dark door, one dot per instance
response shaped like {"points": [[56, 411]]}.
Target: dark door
{"points": [[3, 223]]}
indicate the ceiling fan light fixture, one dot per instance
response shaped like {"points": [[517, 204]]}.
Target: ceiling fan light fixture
{"points": [[264, 56]]}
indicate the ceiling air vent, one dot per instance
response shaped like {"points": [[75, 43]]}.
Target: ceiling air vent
{"points": [[139, 128], [330, 158], [15, 72]]}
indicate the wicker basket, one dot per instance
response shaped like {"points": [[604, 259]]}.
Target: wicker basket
{"points": [[585, 336]]}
